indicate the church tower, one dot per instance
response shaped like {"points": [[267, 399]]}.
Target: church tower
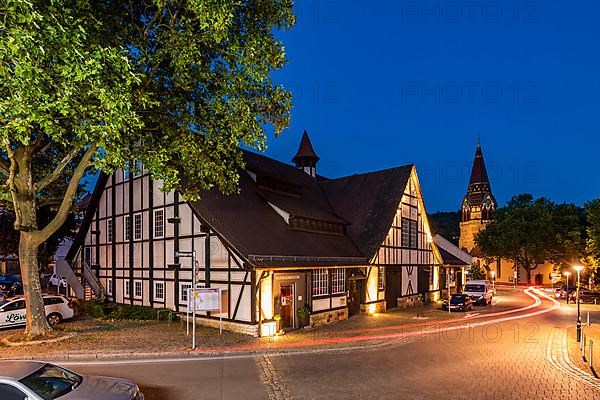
{"points": [[306, 159], [478, 206]]}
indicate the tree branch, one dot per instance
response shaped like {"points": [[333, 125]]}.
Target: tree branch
{"points": [[12, 172], [54, 175], [4, 167], [63, 212]]}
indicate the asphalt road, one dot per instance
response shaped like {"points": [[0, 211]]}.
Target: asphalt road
{"points": [[501, 357]]}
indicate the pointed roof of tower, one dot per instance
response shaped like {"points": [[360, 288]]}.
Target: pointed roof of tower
{"points": [[305, 150], [479, 172]]}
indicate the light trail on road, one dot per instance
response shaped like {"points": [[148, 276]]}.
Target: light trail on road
{"points": [[294, 348]]}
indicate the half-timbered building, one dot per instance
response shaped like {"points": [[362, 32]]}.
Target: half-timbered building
{"points": [[289, 240]]}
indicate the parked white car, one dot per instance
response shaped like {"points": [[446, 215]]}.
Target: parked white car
{"points": [[35, 380], [58, 308], [56, 280]]}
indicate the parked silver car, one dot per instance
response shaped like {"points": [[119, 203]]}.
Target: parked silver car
{"points": [[34, 380]]}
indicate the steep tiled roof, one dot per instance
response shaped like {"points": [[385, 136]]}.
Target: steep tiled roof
{"points": [[251, 226], [369, 203]]}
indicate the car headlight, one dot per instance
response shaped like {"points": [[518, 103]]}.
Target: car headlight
{"points": [[138, 394]]}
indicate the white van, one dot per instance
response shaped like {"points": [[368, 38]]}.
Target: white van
{"points": [[58, 308], [481, 291]]}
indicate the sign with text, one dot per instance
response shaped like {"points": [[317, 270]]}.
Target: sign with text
{"points": [[206, 299]]}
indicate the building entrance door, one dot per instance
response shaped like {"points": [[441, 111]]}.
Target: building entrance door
{"points": [[356, 288], [287, 306]]}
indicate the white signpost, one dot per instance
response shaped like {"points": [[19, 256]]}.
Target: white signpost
{"points": [[204, 299]]}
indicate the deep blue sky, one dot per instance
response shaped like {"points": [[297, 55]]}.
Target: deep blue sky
{"points": [[365, 77]]}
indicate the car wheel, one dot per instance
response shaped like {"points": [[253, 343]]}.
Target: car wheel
{"points": [[54, 319]]}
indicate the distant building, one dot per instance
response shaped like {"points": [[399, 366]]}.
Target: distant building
{"points": [[291, 238], [478, 208]]}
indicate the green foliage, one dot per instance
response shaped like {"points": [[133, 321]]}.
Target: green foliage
{"points": [[476, 272], [530, 231], [120, 312], [90, 309], [304, 311], [206, 86], [592, 214], [178, 85], [446, 224]]}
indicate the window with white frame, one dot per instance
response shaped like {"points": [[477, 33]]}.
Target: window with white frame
{"points": [[338, 280], [137, 227], [320, 282], [159, 291], [159, 223], [109, 287], [405, 232], [109, 230], [183, 292], [380, 278], [127, 228], [126, 288], [137, 289]]}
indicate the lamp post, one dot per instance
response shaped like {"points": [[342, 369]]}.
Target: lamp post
{"points": [[578, 268], [567, 274]]}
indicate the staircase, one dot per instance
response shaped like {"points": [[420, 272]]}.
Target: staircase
{"points": [[84, 283]]}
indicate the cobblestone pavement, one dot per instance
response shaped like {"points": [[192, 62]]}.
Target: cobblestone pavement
{"points": [[273, 381], [508, 357], [520, 359]]}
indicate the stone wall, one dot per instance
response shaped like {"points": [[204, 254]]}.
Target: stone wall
{"points": [[245, 329], [372, 308], [410, 301], [328, 317]]}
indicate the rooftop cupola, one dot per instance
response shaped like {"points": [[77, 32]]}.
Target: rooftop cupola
{"points": [[306, 159]]}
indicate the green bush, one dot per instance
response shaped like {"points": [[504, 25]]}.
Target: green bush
{"points": [[120, 312], [90, 308]]}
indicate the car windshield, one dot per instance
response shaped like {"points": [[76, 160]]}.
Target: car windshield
{"points": [[457, 299], [7, 279], [51, 382], [475, 288]]}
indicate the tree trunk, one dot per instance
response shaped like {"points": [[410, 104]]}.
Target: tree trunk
{"points": [[37, 325]]}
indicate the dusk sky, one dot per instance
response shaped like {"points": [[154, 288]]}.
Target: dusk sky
{"points": [[387, 83]]}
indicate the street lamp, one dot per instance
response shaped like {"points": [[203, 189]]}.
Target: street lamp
{"points": [[567, 274], [578, 268]]}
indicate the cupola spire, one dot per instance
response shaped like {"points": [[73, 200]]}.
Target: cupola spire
{"points": [[306, 159]]}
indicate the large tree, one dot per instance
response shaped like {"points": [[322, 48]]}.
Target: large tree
{"points": [[530, 231], [178, 85], [592, 212]]}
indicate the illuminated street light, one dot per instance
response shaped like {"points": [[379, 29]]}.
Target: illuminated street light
{"points": [[578, 268], [567, 274]]}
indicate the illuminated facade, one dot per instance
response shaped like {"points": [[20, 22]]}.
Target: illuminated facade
{"points": [[291, 241]]}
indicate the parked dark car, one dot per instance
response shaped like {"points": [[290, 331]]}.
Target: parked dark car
{"points": [[460, 302], [585, 296], [11, 285]]}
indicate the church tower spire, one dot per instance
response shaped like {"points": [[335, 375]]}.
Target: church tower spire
{"points": [[479, 204], [306, 159]]}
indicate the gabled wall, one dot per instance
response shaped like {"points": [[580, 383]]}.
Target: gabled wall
{"points": [[407, 255], [125, 263]]}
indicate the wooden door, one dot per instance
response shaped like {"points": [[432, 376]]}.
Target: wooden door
{"points": [[287, 306], [356, 289], [393, 286]]}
